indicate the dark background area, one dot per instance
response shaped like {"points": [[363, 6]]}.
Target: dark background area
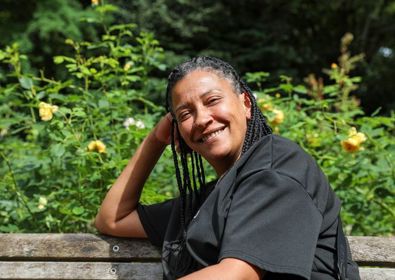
{"points": [[293, 38]]}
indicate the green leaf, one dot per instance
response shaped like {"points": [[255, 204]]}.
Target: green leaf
{"points": [[103, 103], [58, 150], [69, 42], [26, 83], [58, 59], [79, 112], [300, 89], [64, 110], [78, 210]]}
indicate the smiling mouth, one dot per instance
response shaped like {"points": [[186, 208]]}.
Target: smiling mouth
{"points": [[211, 135]]}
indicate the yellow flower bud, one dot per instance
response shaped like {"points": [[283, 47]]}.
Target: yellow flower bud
{"points": [[267, 107], [313, 139], [278, 117], [42, 202], [46, 111], [101, 148], [333, 65], [97, 146]]}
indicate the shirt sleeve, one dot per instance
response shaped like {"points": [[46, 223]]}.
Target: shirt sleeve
{"points": [[155, 218], [272, 223]]}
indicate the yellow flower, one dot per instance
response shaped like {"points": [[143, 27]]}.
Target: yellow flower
{"points": [[46, 111], [267, 107], [42, 202], [97, 146], [277, 95], [278, 117], [333, 65], [127, 66], [313, 139], [95, 2], [350, 145], [354, 141], [358, 136]]}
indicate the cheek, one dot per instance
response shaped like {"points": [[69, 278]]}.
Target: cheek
{"points": [[185, 129]]}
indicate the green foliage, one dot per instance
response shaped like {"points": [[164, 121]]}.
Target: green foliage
{"points": [[253, 35], [292, 37], [321, 119], [63, 142]]}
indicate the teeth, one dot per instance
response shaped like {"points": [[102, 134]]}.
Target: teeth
{"points": [[211, 135]]}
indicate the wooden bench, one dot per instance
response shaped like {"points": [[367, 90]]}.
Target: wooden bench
{"points": [[89, 256]]}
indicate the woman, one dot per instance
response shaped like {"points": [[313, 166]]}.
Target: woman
{"points": [[270, 215]]}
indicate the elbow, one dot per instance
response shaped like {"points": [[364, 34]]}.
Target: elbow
{"points": [[103, 226]]}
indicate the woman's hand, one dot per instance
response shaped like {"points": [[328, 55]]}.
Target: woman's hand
{"points": [[162, 130]]}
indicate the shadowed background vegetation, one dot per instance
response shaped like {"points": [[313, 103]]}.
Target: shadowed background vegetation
{"points": [[294, 38]]}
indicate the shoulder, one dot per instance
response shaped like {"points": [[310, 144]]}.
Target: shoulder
{"points": [[275, 152]]}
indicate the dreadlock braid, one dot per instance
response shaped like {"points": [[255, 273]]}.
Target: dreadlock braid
{"points": [[178, 176], [257, 127]]}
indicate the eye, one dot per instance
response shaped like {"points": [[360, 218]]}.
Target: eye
{"points": [[213, 100], [182, 116]]}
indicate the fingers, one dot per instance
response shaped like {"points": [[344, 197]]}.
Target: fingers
{"points": [[169, 118]]}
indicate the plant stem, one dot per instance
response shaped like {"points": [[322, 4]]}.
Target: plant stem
{"points": [[16, 187]]}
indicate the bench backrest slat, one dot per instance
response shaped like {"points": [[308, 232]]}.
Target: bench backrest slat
{"points": [[74, 247], [373, 251], [369, 251]]}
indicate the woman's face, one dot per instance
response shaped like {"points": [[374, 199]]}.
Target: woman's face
{"points": [[212, 117]]}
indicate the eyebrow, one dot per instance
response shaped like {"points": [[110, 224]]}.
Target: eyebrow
{"points": [[182, 106]]}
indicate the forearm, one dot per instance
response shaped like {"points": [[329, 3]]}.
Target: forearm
{"points": [[124, 195], [227, 269]]}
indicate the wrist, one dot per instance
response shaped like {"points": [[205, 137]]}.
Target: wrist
{"points": [[153, 139]]}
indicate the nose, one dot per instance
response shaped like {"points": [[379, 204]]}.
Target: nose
{"points": [[202, 117]]}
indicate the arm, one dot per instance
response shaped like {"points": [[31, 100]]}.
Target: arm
{"points": [[229, 269], [117, 214]]}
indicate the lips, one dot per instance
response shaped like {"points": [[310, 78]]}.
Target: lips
{"points": [[210, 135]]}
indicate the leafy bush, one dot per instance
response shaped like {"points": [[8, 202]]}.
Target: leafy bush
{"points": [[356, 152], [63, 143]]}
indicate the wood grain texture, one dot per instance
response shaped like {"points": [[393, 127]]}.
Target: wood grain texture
{"points": [[373, 251], [377, 273], [80, 270], [111, 271], [89, 256], [74, 247]]}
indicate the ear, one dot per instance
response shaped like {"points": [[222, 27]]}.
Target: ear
{"points": [[247, 104]]}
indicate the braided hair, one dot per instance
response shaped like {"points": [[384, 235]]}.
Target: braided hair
{"points": [[192, 172]]}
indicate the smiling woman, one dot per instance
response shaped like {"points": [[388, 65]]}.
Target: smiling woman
{"points": [[212, 117], [270, 215]]}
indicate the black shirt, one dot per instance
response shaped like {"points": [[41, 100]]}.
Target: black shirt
{"points": [[274, 209]]}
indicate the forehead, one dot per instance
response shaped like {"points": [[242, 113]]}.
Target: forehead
{"points": [[199, 82]]}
